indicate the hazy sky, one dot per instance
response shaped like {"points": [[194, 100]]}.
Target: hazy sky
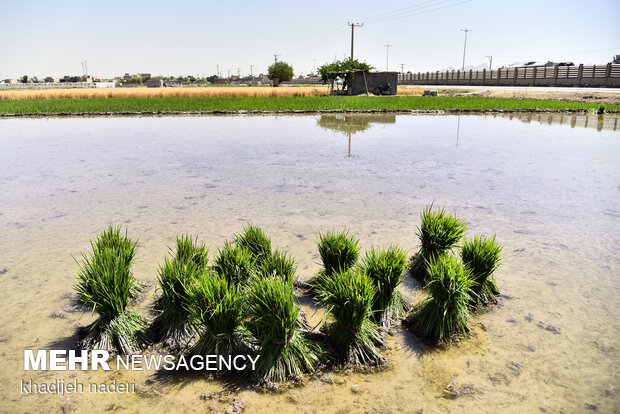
{"points": [[182, 37]]}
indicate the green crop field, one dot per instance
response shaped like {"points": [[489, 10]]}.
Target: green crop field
{"points": [[309, 103]]}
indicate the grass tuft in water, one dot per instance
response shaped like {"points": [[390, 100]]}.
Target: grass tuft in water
{"points": [[255, 241], [104, 284], [445, 312], [235, 263], [385, 269], [438, 233], [217, 311], [286, 349], [482, 256], [348, 296]]}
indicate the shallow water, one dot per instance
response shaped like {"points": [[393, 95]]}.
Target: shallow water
{"points": [[549, 189]]}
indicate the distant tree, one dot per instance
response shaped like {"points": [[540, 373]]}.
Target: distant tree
{"points": [[25, 79], [212, 78], [616, 59], [191, 79], [280, 70]]}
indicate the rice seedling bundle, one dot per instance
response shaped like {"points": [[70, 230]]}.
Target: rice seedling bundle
{"points": [[120, 245], [445, 312], [348, 295], [188, 250], [338, 251], [255, 241], [235, 263], [217, 310], [104, 284], [286, 349], [385, 269], [438, 234], [482, 256], [176, 276], [280, 265]]}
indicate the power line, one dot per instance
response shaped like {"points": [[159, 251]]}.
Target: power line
{"points": [[415, 12]]}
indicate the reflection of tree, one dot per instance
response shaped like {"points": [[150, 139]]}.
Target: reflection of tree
{"points": [[350, 124]]}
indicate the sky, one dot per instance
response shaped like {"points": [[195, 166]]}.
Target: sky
{"points": [[53, 38]]}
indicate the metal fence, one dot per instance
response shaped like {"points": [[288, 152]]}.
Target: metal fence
{"points": [[583, 75]]}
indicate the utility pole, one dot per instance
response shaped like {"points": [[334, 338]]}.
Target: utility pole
{"points": [[314, 67], [353, 26], [387, 57], [82, 68], [275, 58], [238, 73], [251, 73], [490, 61], [86, 67], [402, 68], [229, 74], [217, 71], [465, 47]]}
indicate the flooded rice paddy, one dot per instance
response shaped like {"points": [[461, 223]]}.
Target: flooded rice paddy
{"points": [[548, 185]]}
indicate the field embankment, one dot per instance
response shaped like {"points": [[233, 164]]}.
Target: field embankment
{"points": [[204, 104]]}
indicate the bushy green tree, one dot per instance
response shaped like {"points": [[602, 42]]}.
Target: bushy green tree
{"points": [[331, 71], [280, 70]]}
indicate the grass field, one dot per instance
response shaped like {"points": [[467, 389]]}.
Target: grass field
{"points": [[291, 103]]}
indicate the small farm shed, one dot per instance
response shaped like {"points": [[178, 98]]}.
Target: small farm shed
{"points": [[360, 82]]}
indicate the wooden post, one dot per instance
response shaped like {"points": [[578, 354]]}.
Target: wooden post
{"points": [[484, 76], [580, 73], [437, 78], [428, 78], [499, 75], [534, 78], [470, 76], [555, 75]]}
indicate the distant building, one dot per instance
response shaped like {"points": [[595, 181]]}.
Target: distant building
{"points": [[144, 75], [154, 83], [11, 81], [49, 79], [220, 81]]}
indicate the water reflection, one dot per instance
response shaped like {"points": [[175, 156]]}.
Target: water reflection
{"points": [[598, 122], [350, 124]]}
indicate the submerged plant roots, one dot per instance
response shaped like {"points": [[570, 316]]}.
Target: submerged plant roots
{"points": [[339, 251], [348, 295], [385, 268], [104, 284], [217, 309], [445, 312], [438, 234], [286, 350], [482, 256]]}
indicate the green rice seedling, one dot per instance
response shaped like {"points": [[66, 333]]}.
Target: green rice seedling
{"points": [[280, 265], [438, 234], [217, 310], [385, 268], [482, 256], [235, 263], [445, 312], [172, 324], [104, 284], [285, 347], [339, 251], [122, 246], [188, 250], [255, 241], [348, 295]]}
